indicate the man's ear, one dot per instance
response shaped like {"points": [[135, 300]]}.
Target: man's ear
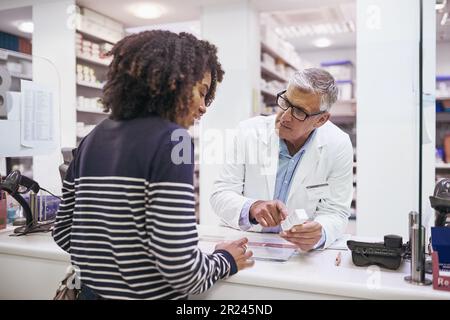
{"points": [[322, 119]]}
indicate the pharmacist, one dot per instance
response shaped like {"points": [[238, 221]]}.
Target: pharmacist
{"points": [[296, 159]]}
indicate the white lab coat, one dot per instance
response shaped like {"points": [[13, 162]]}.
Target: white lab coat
{"points": [[328, 160]]}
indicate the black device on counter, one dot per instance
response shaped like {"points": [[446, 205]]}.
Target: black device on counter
{"points": [[440, 202], [16, 185], [12, 184], [387, 254]]}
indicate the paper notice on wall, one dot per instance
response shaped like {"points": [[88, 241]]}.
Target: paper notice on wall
{"points": [[37, 128]]}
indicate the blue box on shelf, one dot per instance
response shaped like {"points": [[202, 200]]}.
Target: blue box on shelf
{"points": [[440, 241], [49, 205]]}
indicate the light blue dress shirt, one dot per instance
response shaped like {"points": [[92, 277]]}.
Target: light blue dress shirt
{"points": [[287, 166]]}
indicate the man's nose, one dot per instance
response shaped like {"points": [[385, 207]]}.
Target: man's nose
{"points": [[287, 115]]}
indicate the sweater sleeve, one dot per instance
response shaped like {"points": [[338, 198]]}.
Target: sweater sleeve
{"points": [[171, 222], [63, 223]]}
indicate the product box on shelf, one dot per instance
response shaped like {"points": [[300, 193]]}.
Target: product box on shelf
{"points": [[443, 86]]}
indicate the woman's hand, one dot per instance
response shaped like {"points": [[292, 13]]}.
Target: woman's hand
{"points": [[238, 249]]}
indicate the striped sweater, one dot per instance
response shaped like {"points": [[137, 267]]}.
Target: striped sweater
{"points": [[127, 215]]}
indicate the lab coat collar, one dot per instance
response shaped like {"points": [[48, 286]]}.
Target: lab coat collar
{"points": [[306, 166]]}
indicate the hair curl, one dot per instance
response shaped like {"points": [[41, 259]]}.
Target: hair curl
{"points": [[154, 72]]}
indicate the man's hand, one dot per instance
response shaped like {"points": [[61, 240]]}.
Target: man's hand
{"points": [[268, 213], [305, 236]]}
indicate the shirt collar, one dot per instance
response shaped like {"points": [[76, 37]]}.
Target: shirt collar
{"points": [[284, 151]]}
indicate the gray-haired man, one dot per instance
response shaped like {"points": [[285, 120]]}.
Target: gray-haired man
{"points": [[313, 167]]}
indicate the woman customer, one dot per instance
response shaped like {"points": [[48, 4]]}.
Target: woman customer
{"points": [[127, 216]]}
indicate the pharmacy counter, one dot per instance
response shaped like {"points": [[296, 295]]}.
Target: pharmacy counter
{"points": [[33, 265]]}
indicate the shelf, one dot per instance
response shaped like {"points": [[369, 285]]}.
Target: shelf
{"points": [[268, 93], [94, 37], [21, 76], [97, 61], [443, 116], [346, 101], [90, 85], [337, 119], [442, 166], [14, 54], [272, 74], [265, 47], [443, 98], [442, 78], [79, 109], [344, 81], [336, 63]]}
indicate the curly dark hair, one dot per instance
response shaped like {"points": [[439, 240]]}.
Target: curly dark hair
{"points": [[154, 72]]}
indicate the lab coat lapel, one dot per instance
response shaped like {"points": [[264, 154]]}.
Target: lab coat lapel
{"points": [[269, 156], [308, 163]]}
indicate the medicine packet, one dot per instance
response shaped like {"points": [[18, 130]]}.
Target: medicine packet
{"points": [[299, 216]]}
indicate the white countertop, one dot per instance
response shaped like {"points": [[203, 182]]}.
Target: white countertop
{"points": [[36, 245], [310, 272]]}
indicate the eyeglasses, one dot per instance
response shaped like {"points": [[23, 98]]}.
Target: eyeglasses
{"points": [[296, 112]]}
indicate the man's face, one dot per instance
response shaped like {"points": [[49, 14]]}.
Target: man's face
{"points": [[292, 129]]}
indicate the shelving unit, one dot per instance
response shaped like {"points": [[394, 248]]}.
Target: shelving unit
{"points": [[90, 85], [95, 34], [442, 166], [273, 52], [279, 61], [268, 94], [19, 66], [80, 109], [344, 111], [102, 62], [14, 54], [23, 164], [443, 117], [265, 71], [21, 76]]}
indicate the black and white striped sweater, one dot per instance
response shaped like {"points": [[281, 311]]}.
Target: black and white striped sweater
{"points": [[127, 215]]}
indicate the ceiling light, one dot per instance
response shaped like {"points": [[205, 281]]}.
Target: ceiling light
{"points": [[440, 4], [26, 26], [322, 42], [147, 10]]}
